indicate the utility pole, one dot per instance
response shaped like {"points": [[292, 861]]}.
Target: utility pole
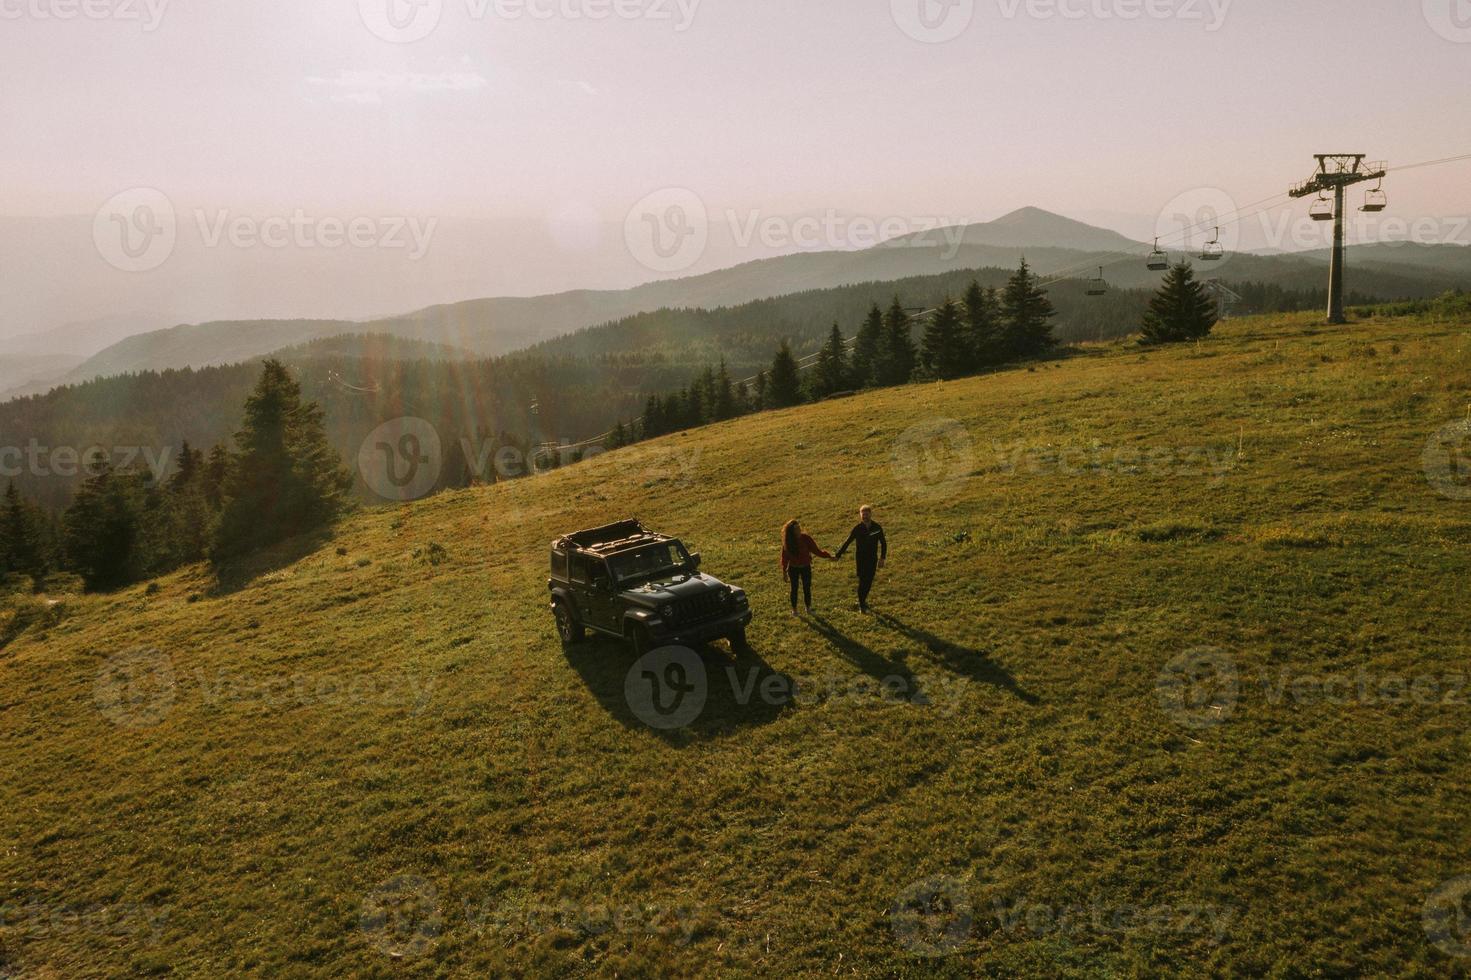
{"points": [[1337, 172]]}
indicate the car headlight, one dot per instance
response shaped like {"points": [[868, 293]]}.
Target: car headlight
{"points": [[667, 612]]}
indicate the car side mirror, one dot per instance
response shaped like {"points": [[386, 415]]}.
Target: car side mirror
{"points": [[694, 559]]}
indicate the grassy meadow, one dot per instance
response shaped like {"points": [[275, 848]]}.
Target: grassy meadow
{"points": [[1168, 676]]}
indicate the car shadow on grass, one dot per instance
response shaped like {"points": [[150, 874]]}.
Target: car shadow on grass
{"points": [[731, 689], [965, 661]]}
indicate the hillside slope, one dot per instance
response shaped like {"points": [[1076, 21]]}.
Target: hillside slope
{"points": [[373, 757]]}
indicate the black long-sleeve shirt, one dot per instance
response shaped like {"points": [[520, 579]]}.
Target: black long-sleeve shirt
{"points": [[871, 543]]}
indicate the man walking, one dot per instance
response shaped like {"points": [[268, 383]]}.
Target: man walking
{"points": [[873, 551]]}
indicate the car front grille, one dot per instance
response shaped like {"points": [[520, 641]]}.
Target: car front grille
{"points": [[698, 608]]}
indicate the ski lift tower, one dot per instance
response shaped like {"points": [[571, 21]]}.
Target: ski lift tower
{"points": [[1337, 172]]}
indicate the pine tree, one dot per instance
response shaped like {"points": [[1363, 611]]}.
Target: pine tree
{"points": [[725, 401], [946, 351], [983, 326], [653, 417], [619, 437], [706, 387], [216, 467], [23, 546], [1181, 310], [785, 388], [190, 467], [759, 393], [900, 356], [695, 409], [830, 375], [106, 534], [1025, 310], [285, 479], [868, 349]]}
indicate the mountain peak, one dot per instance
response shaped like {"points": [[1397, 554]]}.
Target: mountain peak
{"points": [[1033, 227], [1030, 214]]}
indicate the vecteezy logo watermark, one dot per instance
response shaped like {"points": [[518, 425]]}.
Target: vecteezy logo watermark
{"points": [[68, 461], [136, 688], [401, 459], [401, 21], [933, 918], [40, 920], [402, 917], [135, 230], [666, 688], [1290, 230], [140, 688], [834, 231], [668, 230], [936, 918], [1199, 688], [147, 12], [306, 231], [670, 688], [406, 21], [1202, 688], [1211, 13], [514, 918], [1201, 221], [933, 21], [1447, 461], [1213, 463], [138, 229], [1447, 917], [1451, 19], [932, 460]]}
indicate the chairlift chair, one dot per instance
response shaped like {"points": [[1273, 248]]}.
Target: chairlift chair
{"points": [[1099, 286], [1214, 251], [1375, 201], [1158, 260], [1322, 209]]}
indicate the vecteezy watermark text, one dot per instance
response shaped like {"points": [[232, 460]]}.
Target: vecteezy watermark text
{"points": [[140, 688], [670, 688], [406, 21], [1204, 688], [148, 13], [939, 917], [39, 920], [670, 229], [35, 459], [138, 229], [405, 918]]}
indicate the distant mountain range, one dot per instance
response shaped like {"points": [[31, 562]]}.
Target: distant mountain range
{"points": [[1051, 243]]}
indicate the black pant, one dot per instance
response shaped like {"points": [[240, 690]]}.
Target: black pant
{"points": [[866, 572], [804, 575]]}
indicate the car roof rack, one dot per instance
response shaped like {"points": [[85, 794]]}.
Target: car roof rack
{"points": [[610, 538]]}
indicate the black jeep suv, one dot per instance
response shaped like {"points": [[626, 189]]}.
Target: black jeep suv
{"points": [[627, 581]]}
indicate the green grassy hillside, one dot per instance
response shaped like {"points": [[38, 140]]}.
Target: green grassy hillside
{"points": [[1168, 677]]}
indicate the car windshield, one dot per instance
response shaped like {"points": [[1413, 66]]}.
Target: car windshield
{"points": [[647, 562]]}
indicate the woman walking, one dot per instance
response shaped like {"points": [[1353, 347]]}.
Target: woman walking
{"points": [[797, 549]]}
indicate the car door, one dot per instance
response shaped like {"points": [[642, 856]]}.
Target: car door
{"points": [[601, 602]]}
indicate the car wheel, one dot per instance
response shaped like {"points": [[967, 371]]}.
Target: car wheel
{"points": [[568, 628]]}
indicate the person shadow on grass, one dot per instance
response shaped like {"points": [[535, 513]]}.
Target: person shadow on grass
{"points": [[967, 661]]}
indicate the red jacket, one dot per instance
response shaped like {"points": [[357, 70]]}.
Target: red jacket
{"points": [[806, 548]]}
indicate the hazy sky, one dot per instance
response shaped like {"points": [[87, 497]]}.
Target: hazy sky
{"points": [[752, 103], [562, 114]]}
